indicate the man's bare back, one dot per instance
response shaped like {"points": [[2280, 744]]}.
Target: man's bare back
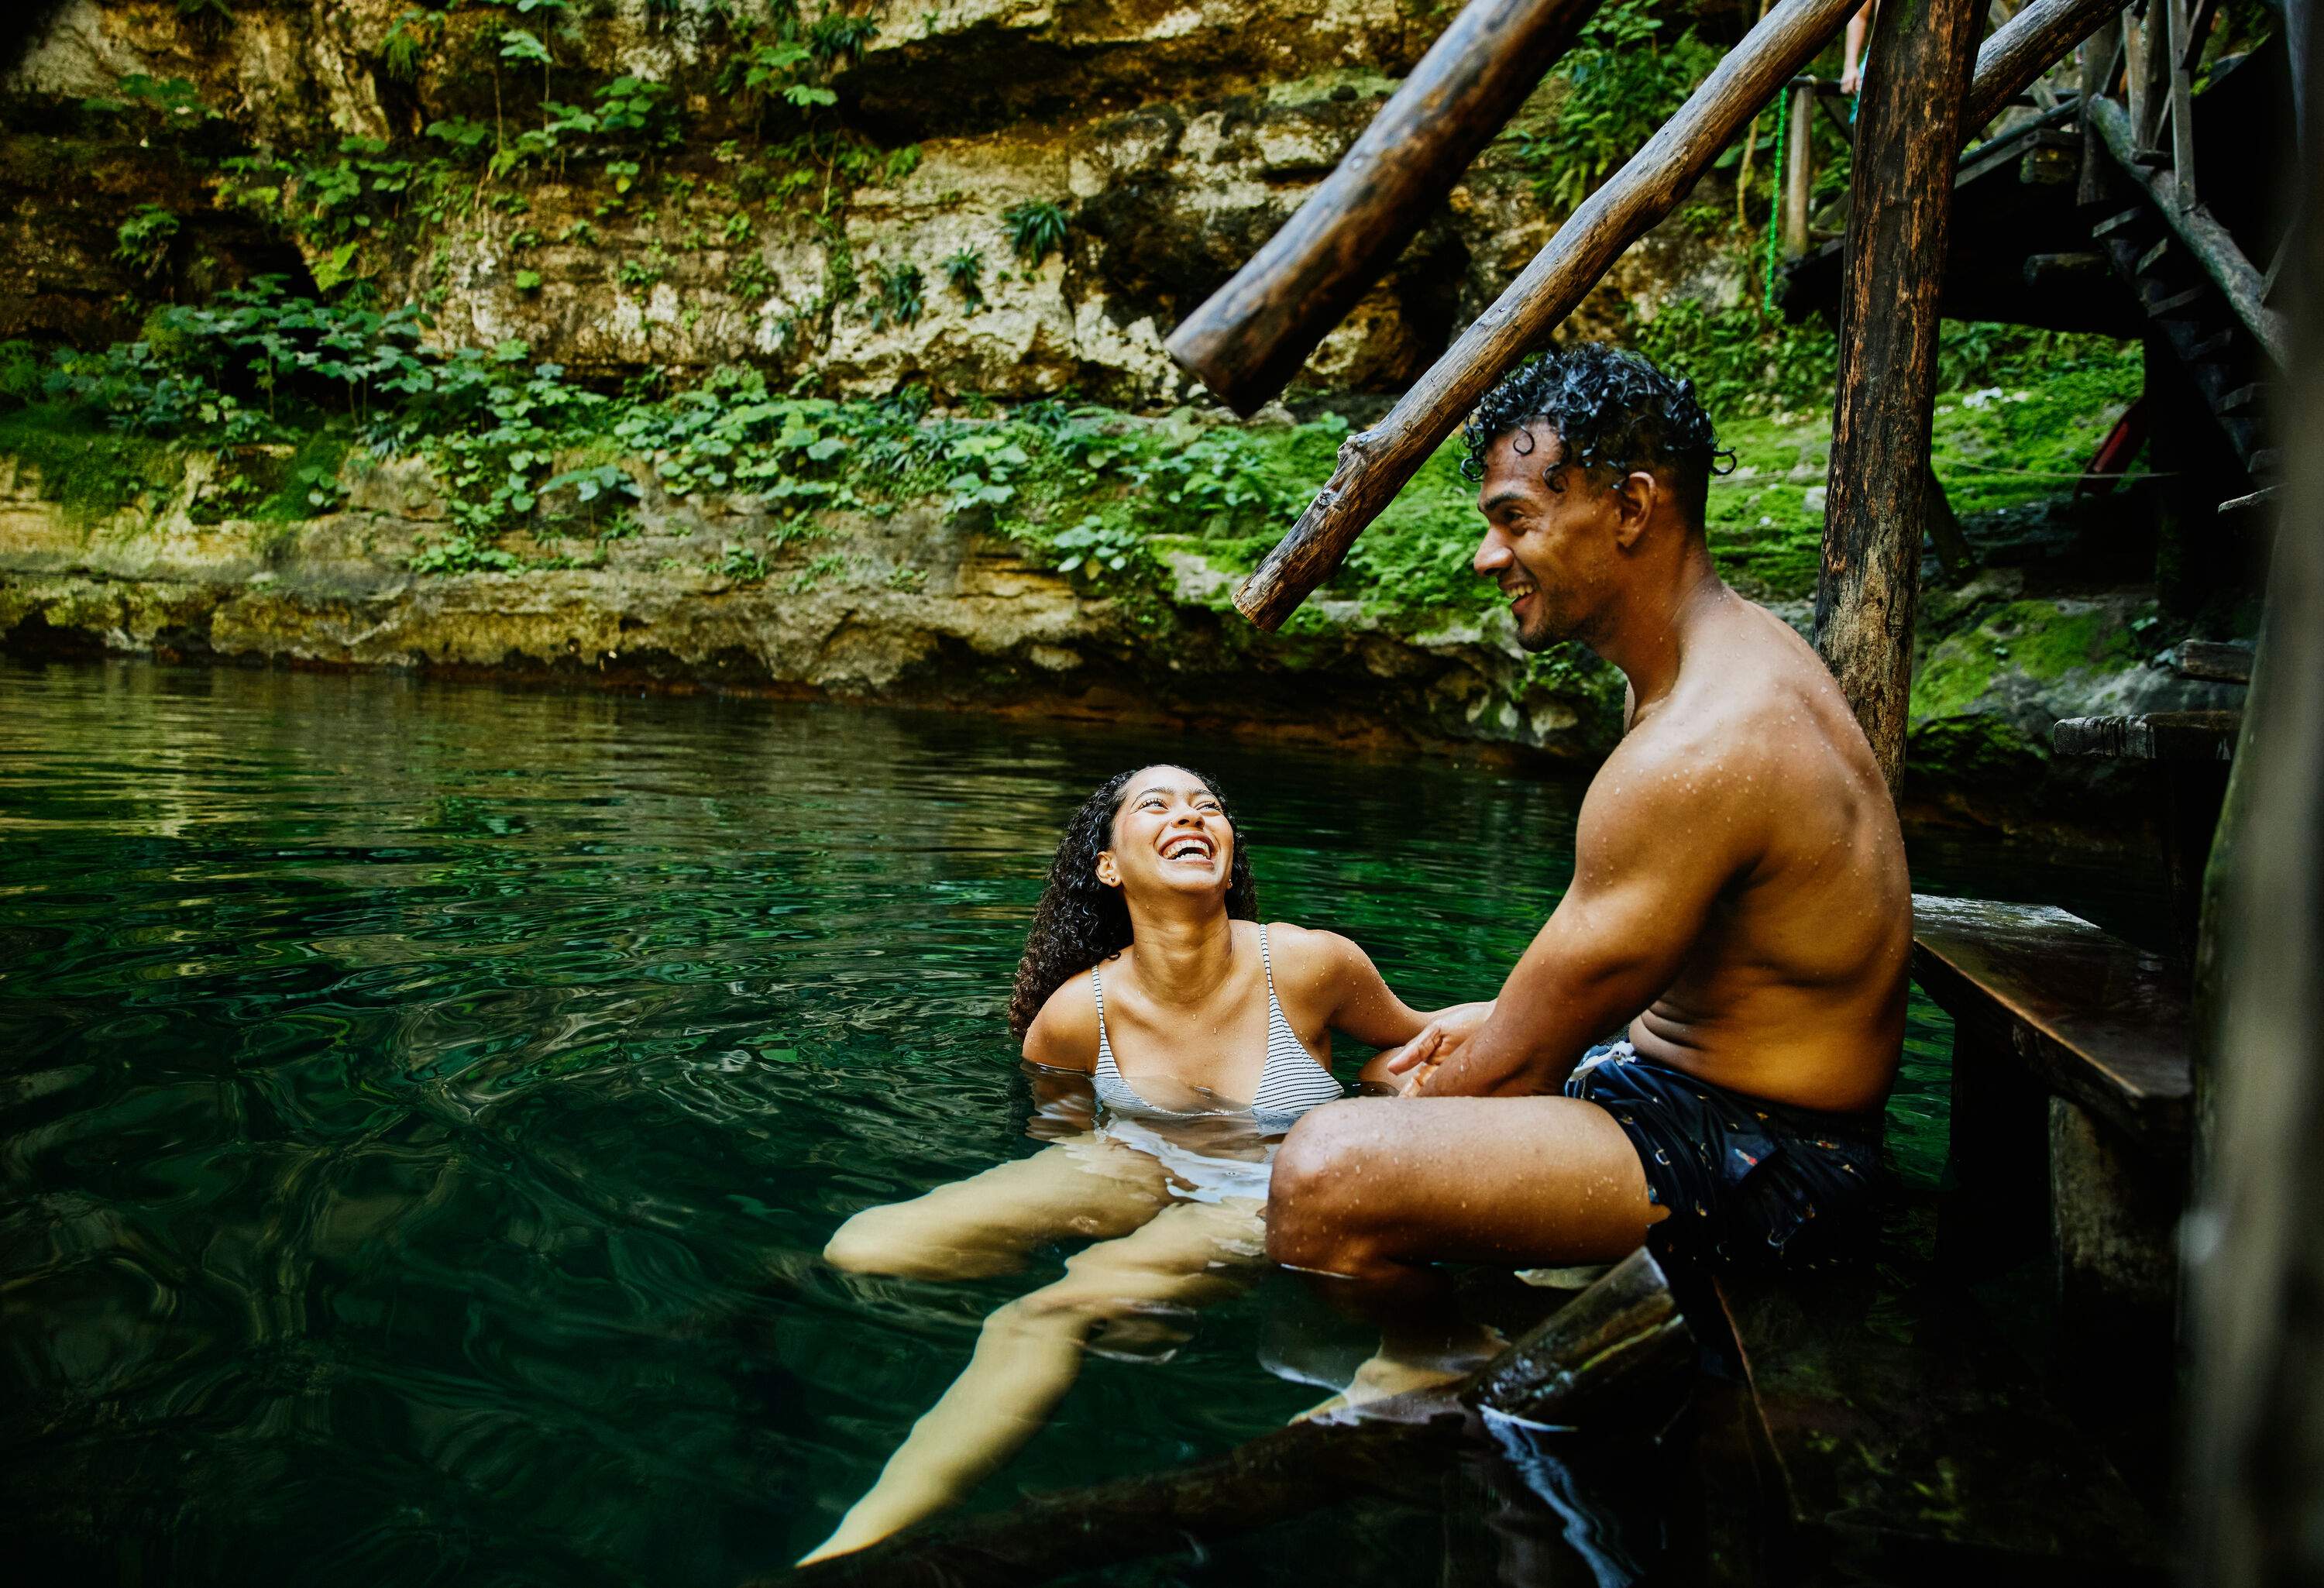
{"points": [[1740, 905]]}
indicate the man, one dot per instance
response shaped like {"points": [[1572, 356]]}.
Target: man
{"points": [[1739, 900]]}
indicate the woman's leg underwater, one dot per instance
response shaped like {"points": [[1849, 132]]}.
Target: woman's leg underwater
{"points": [[1089, 1185], [1030, 1352]]}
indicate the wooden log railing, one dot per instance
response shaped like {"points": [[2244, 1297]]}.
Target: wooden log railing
{"points": [[1374, 465], [1251, 336]]}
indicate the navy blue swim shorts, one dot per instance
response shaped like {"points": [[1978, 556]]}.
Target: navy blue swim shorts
{"points": [[1748, 1183]]}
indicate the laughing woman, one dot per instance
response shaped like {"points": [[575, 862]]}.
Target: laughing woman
{"points": [[1205, 1035]]}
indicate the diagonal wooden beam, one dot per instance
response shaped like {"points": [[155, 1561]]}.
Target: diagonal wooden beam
{"points": [[1251, 336], [2032, 42]]}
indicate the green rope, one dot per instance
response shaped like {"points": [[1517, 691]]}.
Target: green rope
{"points": [[1776, 188]]}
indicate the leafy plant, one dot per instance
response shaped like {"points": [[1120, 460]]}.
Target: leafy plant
{"points": [[817, 570], [414, 32], [963, 274], [838, 35], [1037, 229], [1097, 546], [143, 239], [1622, 81], [899, 302]]}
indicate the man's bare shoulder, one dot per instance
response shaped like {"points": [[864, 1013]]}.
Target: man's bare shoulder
{"points": [[1754, 722]]}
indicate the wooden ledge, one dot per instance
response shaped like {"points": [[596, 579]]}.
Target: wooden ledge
{"points": [[2097, 1021]]}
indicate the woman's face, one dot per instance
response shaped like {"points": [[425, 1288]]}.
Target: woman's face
{"points": [[1170, 835]]}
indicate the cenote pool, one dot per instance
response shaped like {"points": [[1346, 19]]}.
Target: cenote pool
{"points": [[421, 1108]]}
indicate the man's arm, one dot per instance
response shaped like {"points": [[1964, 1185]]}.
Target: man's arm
{"points": [[1662, 833]]}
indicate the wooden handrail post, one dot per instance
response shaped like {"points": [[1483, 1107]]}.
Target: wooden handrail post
{"points": [[2182, 111], [1798, 172], [1908, 138], [2101, 58], [1251, 337]]}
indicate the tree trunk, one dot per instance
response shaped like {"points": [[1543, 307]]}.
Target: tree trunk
{"points": [[1901, 200], [1251, 336]]}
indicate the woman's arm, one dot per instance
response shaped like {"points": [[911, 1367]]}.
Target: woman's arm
{"points": [[1339, 987]]}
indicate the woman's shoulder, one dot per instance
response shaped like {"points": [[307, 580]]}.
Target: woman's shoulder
{"points": [[1308, 956], [1064, 1034]]}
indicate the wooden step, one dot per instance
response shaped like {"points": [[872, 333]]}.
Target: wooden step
{"points": [[2152, 257], [2096, 1020], [2176, 303], [2122, 221], [2242, 400]]}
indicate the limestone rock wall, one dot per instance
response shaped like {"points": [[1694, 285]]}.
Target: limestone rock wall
{"points": [[919, 608], [1177, 138]]}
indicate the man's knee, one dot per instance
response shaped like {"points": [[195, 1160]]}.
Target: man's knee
{"points": [[1312, 1218]]}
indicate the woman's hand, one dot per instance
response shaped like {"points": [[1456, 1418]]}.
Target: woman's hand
{"points": [[1439, 1040]]}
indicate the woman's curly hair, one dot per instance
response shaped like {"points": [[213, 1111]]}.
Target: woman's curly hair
{"points": [[1612, 411], [1080, 921]]}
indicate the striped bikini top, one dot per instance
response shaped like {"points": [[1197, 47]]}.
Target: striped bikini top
{"points": [[1290, 1082]]}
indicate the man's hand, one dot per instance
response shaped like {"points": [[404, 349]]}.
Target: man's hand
{"points": [[1438, 1040]]}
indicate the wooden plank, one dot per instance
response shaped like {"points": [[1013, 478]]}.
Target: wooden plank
{"points": [[1375, 464], [2100, 1021], [1900, 210], [1251, 337], [2204, 236], [2157, 735], [1912, 1445]]}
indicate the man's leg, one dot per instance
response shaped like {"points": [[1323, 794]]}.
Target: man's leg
{"points": [[1371, 1191], [1375, 1189]]}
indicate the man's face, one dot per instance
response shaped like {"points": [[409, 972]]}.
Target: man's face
{"points": [[1550, 552]]}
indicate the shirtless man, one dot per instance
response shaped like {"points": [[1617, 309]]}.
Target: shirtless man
{"points": [[1739, 901]]}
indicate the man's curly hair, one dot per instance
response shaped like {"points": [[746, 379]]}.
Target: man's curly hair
{"points": [[1080, 921], [1612, 411]]}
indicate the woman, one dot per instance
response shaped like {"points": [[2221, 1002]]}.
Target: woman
{"points": [[1205, 1035]]}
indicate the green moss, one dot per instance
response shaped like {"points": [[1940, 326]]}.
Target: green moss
{"points": [[2041, 640], [1971, 751], [92, 472]]}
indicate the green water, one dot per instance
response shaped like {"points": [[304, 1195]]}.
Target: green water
{"points": [[421, 1107]]}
